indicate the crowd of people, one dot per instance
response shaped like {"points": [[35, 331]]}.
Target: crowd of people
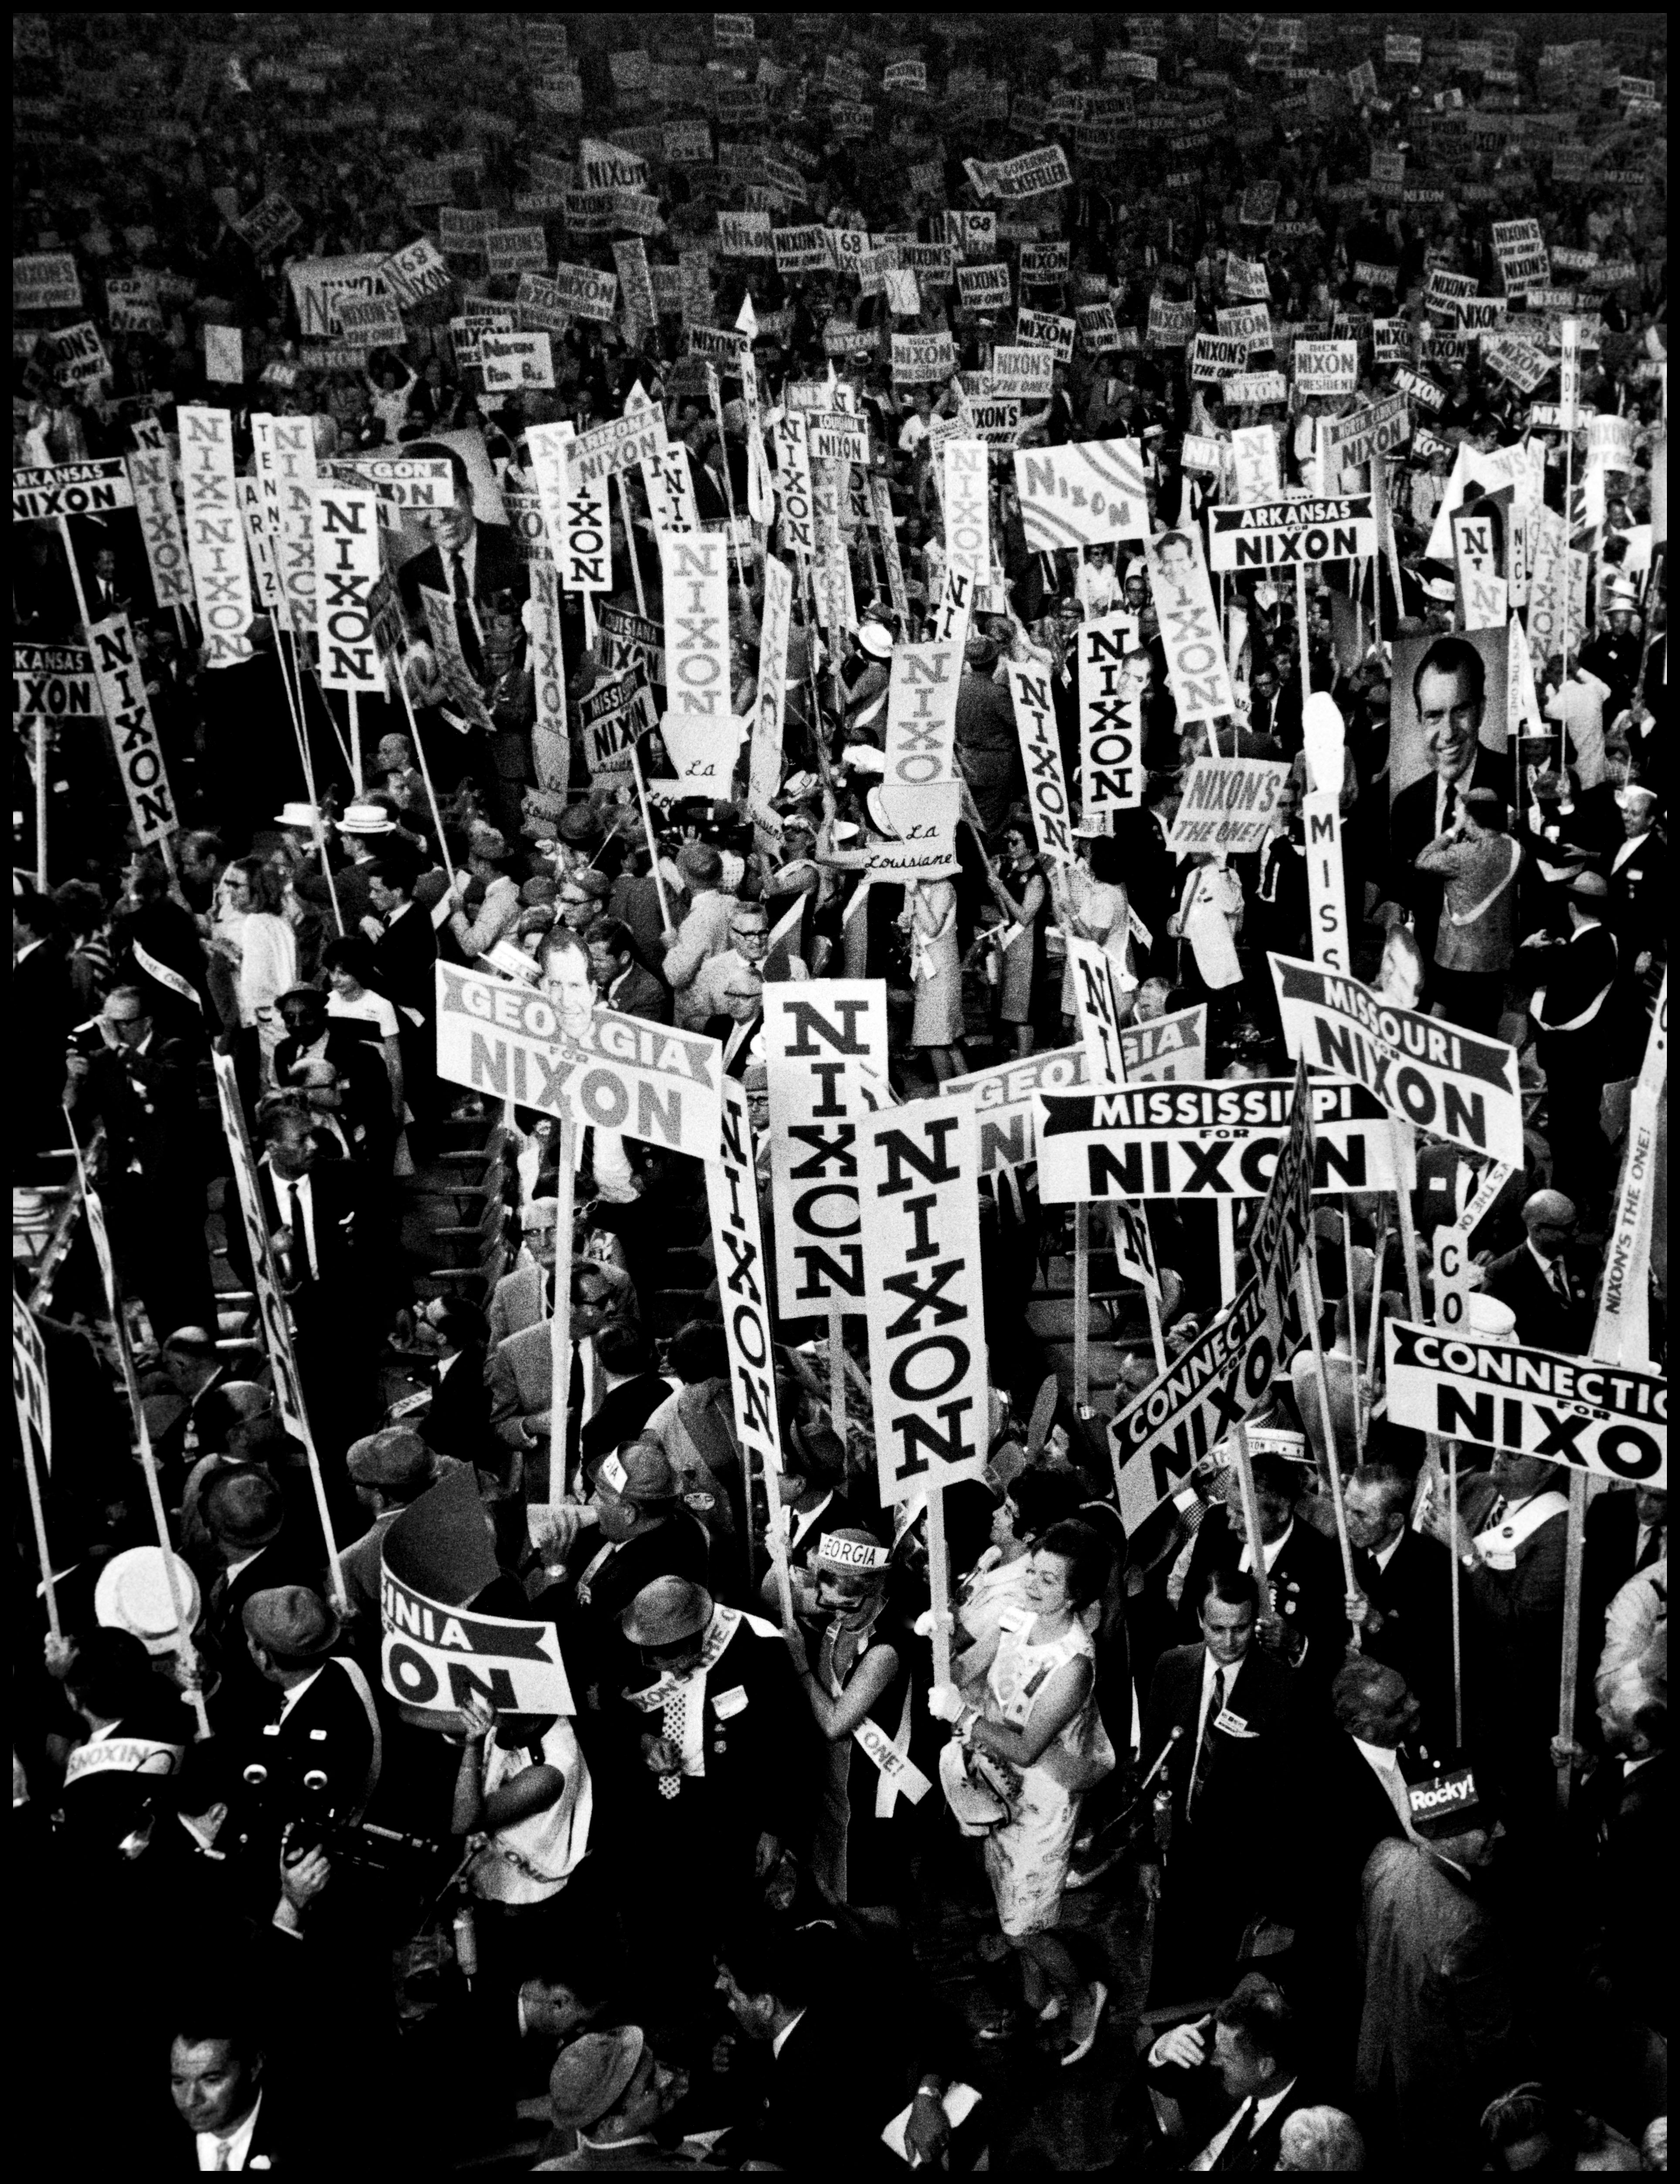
{"points": [[1250, 1833]]}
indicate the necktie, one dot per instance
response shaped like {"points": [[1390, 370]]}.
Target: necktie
{"points": [[298, 1221], [1652, 1551], [463, 623], [1496, 1514], [1560, 1281], [224, 2155], [1204, 1749], [1242, 2129], [672, 1723], [1448, 808]]}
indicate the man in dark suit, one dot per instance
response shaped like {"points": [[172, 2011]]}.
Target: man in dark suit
{"points": [[790, 1991], [705, 469], [715, 1709], [244, 1514], [143, 1087], [317, 1719], [1448, 687], [1235, 1713], [1308, 1625], [337, 1269], [1405, 1584], [622, 983], [1626, 1532], [470, 562], [312, 1035], [1224, 2087], [1546, 1287], [457, 1422], [1635, 873], [404, 963], [217, 2085], [1513, 1527]]}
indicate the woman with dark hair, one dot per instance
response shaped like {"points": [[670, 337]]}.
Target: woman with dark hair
{"points": [[1037, 1734], [1022, 894], [997, 1584], [354, 1000]]}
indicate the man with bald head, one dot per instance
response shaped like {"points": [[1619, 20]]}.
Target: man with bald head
{"points": [[1635, 873], [1547, 1285]]}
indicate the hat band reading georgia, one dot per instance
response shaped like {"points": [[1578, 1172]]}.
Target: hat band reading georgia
{"points": [[850, 1554]]}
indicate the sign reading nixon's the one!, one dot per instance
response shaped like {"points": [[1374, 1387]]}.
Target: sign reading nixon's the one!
{"points": [[1275, 533], [1611, 1419], [1451, 1082], [621, 1073], [1205, 1140]]}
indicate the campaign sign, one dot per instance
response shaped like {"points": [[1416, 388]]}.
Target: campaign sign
{"points": [[1611, 1419], [1425, 1072], [1299, 533], [618, 1072], [1205, 1140]]}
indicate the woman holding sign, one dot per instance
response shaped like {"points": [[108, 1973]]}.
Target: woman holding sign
{"points": [[1022, 894], [859, 1690], [1038, 1731]]}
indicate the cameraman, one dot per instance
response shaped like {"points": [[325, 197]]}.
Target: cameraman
{"points": [[319, 1751]]}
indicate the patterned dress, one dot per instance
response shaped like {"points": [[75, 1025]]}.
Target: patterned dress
{"points": [[1026, 1858]]}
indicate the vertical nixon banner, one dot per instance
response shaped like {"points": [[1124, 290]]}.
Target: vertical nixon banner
{"points": [[1112, 673], [919, 1175], [148, 473], [346, 569], [922, 714], [826, 1051], [134, 734], [967, 527], [1196, 669], [743, 1288], [285, 466], [1041, 756], [696, 621], [216, 535], [764, 773]]}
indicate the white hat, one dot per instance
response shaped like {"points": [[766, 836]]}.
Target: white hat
{"points": [[133, 1594], [1490, 1317], [1619, 587], [864, 758], [876, 640], [298, 815], [1440, 587], [367, 819]]}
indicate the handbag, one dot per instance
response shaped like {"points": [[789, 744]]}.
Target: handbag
{"points": [[973, 1790]]}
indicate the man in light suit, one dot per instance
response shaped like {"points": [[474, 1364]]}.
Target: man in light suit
{"points": [[1449, 688]]}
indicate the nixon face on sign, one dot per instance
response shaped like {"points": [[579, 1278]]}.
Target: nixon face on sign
{"points": [[1204, 1140]]}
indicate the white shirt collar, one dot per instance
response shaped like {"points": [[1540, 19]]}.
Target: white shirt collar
{"points": [[1249, 2116], [238, 2142], [1384, 1555], [785, 2035], [804, 1519], [1210, 1668], [289, 1698], [1271, 1549], [1383, 1757]]}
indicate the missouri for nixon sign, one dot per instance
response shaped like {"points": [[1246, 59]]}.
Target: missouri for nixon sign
{"points": [[1607, 1418], [1424, 1071]]}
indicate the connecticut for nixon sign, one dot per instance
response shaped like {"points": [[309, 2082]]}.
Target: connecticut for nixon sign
{"points": [[1612, 1419], [622, 1073]]}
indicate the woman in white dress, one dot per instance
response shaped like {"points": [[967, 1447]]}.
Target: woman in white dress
{"points": [[252, 938], [1037, 1729]]}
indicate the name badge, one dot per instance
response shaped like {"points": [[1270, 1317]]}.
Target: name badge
{"points": [[1234, 1725], [729, 1703]]}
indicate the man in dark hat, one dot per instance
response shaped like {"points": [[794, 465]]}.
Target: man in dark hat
{"points": [[318, 1739], [1442, 2032], [711, 1772], [388, 1469]]}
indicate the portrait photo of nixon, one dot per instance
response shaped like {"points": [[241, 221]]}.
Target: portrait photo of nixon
{"points": [[1447, 737]]}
